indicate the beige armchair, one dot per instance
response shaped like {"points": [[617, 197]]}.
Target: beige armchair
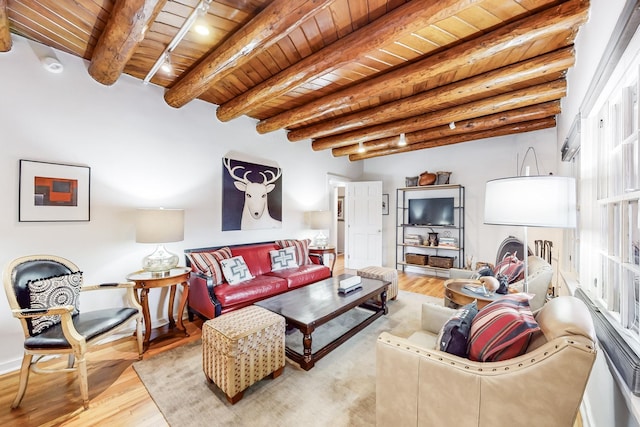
{"points": [[417, 385], [540, 275]]}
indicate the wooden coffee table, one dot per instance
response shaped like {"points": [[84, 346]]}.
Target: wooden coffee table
{"points": [[310, 306]]}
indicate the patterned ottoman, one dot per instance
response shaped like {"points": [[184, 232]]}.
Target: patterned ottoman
{"points": [[382, 273], [242, 347]]}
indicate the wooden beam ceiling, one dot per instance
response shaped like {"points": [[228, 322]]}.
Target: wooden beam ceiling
{"points": [[337, 72]]}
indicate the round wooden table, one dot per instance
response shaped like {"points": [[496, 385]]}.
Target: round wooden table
{"points": [[458, 295], [146, 280]]}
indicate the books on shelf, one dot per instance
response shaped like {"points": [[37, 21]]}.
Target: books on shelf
{"points": [[448, 241], [413, 239]]}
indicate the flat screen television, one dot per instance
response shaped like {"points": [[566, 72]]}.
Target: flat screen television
{"points": [[435, 211]]}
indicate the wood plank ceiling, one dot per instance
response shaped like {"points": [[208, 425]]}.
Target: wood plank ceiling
{"points": [[346, 75]]}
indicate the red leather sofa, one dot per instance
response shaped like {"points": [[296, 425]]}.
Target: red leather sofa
{"points": [[208, 300]]}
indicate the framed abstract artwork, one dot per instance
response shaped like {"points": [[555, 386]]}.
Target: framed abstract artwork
{"points": [[53, 192]]}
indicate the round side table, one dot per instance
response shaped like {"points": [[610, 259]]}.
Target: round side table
{"points": [[145, 280]]}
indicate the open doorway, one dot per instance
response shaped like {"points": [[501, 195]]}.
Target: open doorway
{"points": [[336, 185]]}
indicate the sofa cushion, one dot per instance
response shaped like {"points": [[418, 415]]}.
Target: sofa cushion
{"points": [[51, 292], [256, 256], [258, 288], [302, 249], [208, 263], [502, 329], [303, 275], [235, 270], [454, 336], [283, 258]]}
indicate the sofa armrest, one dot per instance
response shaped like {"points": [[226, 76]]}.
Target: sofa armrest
{"points": [[316, 259], [434, 317], [202, 299], [459, 273]]}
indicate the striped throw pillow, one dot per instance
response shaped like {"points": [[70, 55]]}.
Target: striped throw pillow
{"points": [[302, 249], [208, 263], [502, 330]]}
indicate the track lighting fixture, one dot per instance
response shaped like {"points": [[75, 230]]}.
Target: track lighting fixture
{"points": [[186, 26], [166, 65], [402, 142], [361, 148], [452, 125]]}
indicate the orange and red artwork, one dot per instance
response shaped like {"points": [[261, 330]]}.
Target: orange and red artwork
{"points": [[55, 191]]}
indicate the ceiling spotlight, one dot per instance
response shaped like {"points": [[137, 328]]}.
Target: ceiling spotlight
{"points": [[452, 125], [361, 148], [402, 141], [200, 26], [166, 65]]}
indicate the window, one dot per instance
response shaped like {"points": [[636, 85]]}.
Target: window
{"points": [[610, 177]]}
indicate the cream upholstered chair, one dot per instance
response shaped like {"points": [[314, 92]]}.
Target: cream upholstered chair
{"points": [[41, 287], [417, 385], [539, 279]]}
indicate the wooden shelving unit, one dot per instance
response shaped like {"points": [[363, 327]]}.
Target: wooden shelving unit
{"points": [[403, 229]]}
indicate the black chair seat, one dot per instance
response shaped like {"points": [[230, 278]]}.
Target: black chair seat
{"points": [[89, 325]]}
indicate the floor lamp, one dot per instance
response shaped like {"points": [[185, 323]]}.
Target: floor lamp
{"points": [[531, 201]]}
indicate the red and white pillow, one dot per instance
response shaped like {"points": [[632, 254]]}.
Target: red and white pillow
{"points": [[208, 263], [302, 249], [502, 329]]}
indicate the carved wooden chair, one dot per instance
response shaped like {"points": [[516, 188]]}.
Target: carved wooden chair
{"points": [[43, 292]]}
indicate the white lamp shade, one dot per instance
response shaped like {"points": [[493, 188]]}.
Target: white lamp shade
{"points": [[159, 225], [532, 201], [319, 220]]}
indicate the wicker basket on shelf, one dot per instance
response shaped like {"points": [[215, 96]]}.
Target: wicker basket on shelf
{"points": [[441, 261]]}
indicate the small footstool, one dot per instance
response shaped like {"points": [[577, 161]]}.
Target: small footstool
{"points": [[242, 347], [382, 273]]}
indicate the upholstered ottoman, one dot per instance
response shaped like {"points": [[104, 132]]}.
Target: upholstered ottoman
{"points": [[382, 273], [242, 347]]}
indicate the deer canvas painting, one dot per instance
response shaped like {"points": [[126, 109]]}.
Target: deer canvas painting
{"points": [[251, 196]]}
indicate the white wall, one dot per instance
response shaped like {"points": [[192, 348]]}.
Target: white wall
{"points": [[472, 164], [142, 153]]}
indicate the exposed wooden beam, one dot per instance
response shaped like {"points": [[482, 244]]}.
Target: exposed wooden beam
{"points": [[471, 89], [273, 23], [520, 98], [123, 32], [493, 121], [411, 16], [544, 25], [522, 127], [5, 35]]}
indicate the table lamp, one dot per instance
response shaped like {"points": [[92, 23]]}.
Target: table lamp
{"points": [[159, 226], [319, 220], [531, 201]]}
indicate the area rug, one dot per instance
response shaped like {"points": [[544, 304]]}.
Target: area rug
{"points": [[338, 391]]}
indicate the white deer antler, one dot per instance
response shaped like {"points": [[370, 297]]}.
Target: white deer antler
{"points": [[274, 176], [227, 164]]}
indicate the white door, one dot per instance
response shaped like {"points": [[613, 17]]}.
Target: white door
{"points": [[363, 219]]}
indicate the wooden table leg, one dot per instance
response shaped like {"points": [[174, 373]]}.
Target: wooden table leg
{"points": [[307, 358], [383, 301], [183, 303], [144, 301], [172, 296]]}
